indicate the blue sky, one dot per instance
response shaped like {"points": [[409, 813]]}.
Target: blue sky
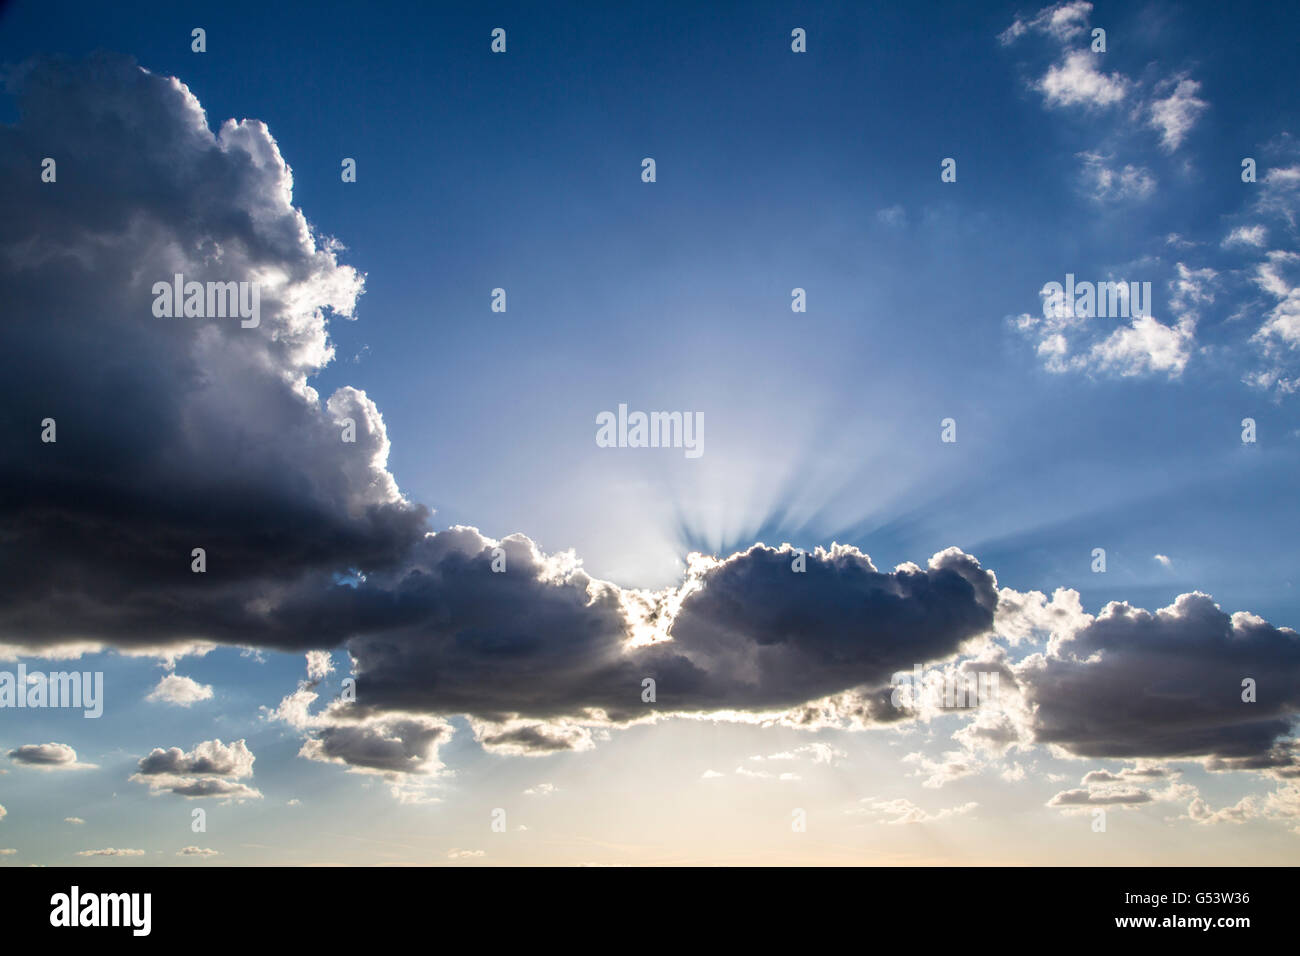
{"points": [[775, 170]]}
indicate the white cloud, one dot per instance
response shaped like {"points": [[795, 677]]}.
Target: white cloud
{"points": [[1076, 81], [1246, 236], [1176, 114], [319, 663], [1063, 22], [1145, 345], [1104, 183], [182, 691]]}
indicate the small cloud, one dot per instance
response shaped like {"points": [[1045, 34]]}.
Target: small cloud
{"points": [[111, 851], [197, 851], [181, 691], [75, 821], [711, 775], [295, 802], [1162, 559], [1255, 236], [7, 852], [894, 215], [319, 663], [541, 790], [1176, 114], [1078, 82], [51, 756], [455, 854]]}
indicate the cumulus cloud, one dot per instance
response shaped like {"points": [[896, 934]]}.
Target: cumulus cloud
{"points": [[211, 769], [75, 821], [1077, 82], [182, 691], [223, 444], [1134, 683], [197, 851], [110, 851], [51, 756]]}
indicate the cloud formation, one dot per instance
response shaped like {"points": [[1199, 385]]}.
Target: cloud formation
{"points": [[51, 756]]}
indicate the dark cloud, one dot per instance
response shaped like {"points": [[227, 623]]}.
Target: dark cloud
{"points": [[172, 433], [400, 746], [1133, 683], [44, 755], [544, 640]]}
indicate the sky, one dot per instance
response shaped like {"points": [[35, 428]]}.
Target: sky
{"points": [[429, 645]]}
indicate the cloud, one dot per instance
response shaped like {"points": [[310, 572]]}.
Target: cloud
{"points": [[211, 769], [540, 790], [227, 447], [223, 445], [1103, 183], [1064, 22], [111, 851], [1134, 683], [197, 851], [894, 215], [182, 691], [319, 664], [1255, 236], [75, 821], [816, 752], [1077, 82], [1099, 798], [210, 758], [51, 756], [902, 811], [1162, 559], [1175, 115], [455, 854]]}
